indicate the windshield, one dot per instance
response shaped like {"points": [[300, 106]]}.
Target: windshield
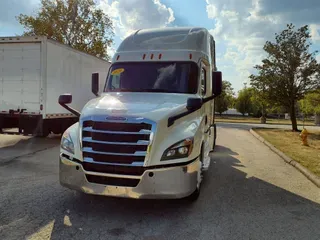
{"points": [[170, 77]]}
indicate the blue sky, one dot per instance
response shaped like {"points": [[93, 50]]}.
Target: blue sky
{"points": [[240, 27]]}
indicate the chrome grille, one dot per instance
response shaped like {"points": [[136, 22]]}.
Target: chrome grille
{"points": [[124, 143], [117, 127]]}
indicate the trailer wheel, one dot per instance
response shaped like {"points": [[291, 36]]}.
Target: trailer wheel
{"points": [[45, 133]]}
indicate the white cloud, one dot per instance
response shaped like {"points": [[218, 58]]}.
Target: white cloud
{"points": [[212, 11], [131, 15], [111, 51], [315, 32], [245, 25]]}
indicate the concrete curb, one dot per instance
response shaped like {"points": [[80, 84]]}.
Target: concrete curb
{"points": [[312, 177]]}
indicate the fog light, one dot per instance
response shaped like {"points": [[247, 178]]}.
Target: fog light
{"points": [[183, 150]]}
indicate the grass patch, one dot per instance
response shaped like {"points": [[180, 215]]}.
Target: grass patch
{"points": [[257, 120], [290, 143]]}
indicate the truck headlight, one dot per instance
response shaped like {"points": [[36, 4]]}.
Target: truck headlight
{"points": [[66, 143], [181, 149]]}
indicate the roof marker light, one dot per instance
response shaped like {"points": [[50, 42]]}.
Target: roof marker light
{"points": [[160, 56], [152, 56], [144, 56], [118, 57], [190, 56]]}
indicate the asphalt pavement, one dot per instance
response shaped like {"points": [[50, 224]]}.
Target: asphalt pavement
{"points": [[248, 193]]}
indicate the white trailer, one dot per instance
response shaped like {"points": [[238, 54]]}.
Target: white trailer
{"points": [[34, 71]]}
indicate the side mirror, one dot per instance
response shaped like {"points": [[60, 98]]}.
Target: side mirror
{"points": [[194, 104], [216, 83], [95, 84], [65, 99]]}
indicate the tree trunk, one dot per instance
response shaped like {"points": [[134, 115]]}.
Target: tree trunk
{"points": [[316, 120], [293, 117]]}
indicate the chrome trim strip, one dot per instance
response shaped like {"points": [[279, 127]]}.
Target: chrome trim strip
{"points": [[103, 118], [137, 153], [89, 129], [140, 142], [133, 164]]}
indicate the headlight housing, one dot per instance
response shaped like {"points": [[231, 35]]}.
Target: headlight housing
{"points": [[181, 149], [66, 143]]}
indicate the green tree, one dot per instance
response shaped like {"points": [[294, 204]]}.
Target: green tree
{"points": [[311, 103], [225, 99], [244, 103], [289, 71], [258, 107], [233, 101], [77, 23]]}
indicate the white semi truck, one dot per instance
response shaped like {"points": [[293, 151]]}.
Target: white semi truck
{"points": [[34, 71], [149, 132]]}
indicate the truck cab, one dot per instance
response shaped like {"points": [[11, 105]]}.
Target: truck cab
{"points": [[149, 131]]}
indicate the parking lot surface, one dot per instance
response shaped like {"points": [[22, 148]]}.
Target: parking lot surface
{"points": [[248, 193]]}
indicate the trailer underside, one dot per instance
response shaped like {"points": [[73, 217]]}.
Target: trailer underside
{"points": [[35, 124]]}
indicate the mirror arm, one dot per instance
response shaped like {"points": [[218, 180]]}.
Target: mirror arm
{"points": [[75, 112], [204, 100], [173, 118]]}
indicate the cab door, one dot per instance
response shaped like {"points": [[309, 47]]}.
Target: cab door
{"points": [[205, 91]]}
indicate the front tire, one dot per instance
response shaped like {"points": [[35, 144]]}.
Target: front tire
{"points": [[195, 195], [214, 137]]}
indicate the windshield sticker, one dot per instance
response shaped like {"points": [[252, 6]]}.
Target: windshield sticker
{"points": [[117, 71]]}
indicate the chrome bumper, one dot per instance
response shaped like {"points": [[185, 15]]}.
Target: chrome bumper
{"points": [[161, 183]]}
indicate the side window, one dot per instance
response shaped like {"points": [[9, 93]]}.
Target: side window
{"points": [[203, 81], [212, 50]]}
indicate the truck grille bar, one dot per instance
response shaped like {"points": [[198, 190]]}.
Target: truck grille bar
{"points": [[113, 142]]}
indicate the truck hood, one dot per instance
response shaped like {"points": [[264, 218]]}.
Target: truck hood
{"points": [[154, 106]]}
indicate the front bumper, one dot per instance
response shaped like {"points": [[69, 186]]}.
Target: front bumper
{"points": [[158, 183]]}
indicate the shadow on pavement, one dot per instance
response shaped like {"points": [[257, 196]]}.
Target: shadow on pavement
{"points": [[17, 146], [232, 205]]}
